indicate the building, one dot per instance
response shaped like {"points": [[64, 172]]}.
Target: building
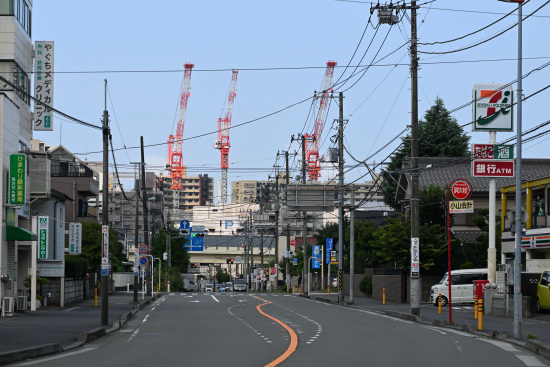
{"points": [[16, 61], [179, 204], [247, 191]]}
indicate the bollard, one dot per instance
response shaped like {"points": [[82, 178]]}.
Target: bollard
{"points": [[439, 303], [95, 297], [168, 287], [127, 286], [475, 306], [292, 288], [300, 289], [383, 296], [480, 314]]}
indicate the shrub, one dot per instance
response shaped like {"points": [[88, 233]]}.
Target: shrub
{"points": [[366, 285], [76, 266]]}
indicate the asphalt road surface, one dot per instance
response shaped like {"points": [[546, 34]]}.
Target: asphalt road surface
{"points": [[239, 329]]}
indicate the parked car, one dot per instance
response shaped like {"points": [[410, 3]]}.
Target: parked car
{"points": [[462, 286], [208, 288], [229, 287], [240, 285], [221, 288], [543, 291]]}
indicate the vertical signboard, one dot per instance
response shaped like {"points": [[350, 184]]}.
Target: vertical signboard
{"points": [[75, 238], [42, 237], [316, 255], [329, 247], [415, 258], [43, 85], [17, 179], [136, 261], [104, 249]]}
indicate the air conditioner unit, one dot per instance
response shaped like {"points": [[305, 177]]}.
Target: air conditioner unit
{"points": [[7, 306], [22, 303]]}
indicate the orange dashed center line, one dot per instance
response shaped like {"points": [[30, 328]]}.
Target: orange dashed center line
{"points": [[293, 336]]}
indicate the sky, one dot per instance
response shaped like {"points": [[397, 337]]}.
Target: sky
{"points": [[280, 49]]}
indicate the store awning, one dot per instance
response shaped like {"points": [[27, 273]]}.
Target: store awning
{"points": [[19, 234]]}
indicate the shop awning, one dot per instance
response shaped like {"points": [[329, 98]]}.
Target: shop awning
{"points": [[19, 234]]}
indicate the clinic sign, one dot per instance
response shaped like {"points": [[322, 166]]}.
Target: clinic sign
{"points": [[42, 237], [18, 171], [493, 107], [43, 86], [104, 247], [75, 238]]}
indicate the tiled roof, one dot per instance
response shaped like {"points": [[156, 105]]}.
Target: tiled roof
{"points": [[442, 171]]}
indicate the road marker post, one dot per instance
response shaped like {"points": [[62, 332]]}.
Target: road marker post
{"points": [[383, 296], [439, 304], [480, 315], [475, 306]]}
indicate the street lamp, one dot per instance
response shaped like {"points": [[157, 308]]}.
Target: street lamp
{"points": [[517, 254]]}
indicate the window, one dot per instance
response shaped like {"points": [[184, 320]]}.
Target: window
{"points": [[22, 82], [20, 10]]}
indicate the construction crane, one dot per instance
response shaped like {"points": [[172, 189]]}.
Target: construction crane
{"points": [[224, 124], [175, 158], [312, 140]]}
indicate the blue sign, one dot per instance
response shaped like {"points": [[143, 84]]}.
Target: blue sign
{"points": [[316, 252], [295, 261], [329, 247], [184, 224], [143, 260], [228, 224], [104, 272], [316, 264], [194, 243]]}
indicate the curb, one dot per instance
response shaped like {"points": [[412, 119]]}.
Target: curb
{"points": [[27, 353], [83, 338]]}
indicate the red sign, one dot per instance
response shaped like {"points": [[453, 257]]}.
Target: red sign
{"points": [[460, 190], [483, 151], [492, 168], [292, 242], [143, 249]]}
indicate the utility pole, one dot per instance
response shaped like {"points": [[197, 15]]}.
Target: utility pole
{"points": [[341, 198], [168, 253], [352, 244], [136, 245], [277, 207], [105, 206], [145, 218], [288, 282], [305, 247], [386, 16]]}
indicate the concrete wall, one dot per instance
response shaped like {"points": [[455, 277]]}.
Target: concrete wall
{"points": [[121, 279]]}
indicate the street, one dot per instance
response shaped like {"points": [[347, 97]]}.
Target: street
{"points": [[209, 329]]}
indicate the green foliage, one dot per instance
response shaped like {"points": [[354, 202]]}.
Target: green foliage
{"points": [[440, 135], [179, 255], [76, 266], [365, 285], [476, 254], [39, 281], [91, 246], [432, 210], [222, 276], [176, 280]]}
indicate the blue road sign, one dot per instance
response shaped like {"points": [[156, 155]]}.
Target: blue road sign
{"points": [[197, 244], [184, 224], [295, 261], [143, 260], [329, 247], [316, 264], [105, 272]]}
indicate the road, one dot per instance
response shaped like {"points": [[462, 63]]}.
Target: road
{"points": [[239, 329]]}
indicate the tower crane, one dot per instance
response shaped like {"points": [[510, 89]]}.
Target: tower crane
{"points": [[224, 124], [175, 158], [312, 140]]}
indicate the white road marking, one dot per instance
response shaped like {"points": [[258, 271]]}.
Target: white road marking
{"points": [[194, 301], [435, 329], [145, 319], [83, 350], [215, 299], [71, 309]]}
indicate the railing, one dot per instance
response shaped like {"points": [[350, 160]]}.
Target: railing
{"points": [[58, 170]]}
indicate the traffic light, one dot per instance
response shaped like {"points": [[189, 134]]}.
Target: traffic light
{"points": [[194, 265], [197, 234], [231, 261], [228, 261]]}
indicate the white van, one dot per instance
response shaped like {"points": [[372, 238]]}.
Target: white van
{"points": [[462, 286]]}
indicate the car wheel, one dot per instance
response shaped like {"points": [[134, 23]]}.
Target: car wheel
{"points": [[444, 301]]}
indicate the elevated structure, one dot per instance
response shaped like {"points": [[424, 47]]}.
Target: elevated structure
{"points": [[312, 140], [223, 144], [175, 158]]}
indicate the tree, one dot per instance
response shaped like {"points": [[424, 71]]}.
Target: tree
{"points": [[432, 210], [179, 255], [439, 136], [91, 247]]}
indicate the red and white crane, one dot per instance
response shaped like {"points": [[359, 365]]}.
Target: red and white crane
{"points": [[175, 158], [223, 144], [312, 140]]}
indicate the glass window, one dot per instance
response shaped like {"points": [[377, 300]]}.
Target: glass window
{"points": [[6, 7]]}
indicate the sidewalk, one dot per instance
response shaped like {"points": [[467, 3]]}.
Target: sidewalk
{"points": [[463, 319], [54, 329]]}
